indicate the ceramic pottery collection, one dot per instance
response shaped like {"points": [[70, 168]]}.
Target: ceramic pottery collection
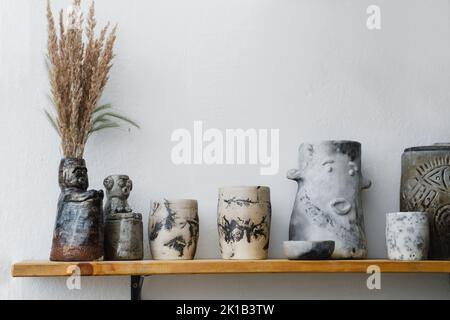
{"points": [[407, 235], [425, 186], [78, 233], [328, 202], [173, 229], [123, 228], [244, 216], [327, 220]]}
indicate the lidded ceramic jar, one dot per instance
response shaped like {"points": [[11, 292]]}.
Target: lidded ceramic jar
{"points": [[244, 216], [425, 186], [173, 229], [123, 228], [407, 236]]}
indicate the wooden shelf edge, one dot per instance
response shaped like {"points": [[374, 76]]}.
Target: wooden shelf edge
{"points": [[154, 267]]}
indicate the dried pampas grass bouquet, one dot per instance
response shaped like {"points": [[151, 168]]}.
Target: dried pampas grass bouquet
{"points": [[79, 62]]}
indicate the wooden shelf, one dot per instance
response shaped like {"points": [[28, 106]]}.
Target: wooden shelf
{"points": [[153, 267]]}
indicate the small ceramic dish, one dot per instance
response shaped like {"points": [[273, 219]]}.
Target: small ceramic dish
{"points": [[308, 250]]}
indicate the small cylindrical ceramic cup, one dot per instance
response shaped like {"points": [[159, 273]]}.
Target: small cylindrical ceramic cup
{"points": [[124, 237], [407, 235], [173, 229], [244, 215]]}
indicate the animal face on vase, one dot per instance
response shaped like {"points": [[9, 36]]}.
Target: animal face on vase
{"points": [[328, 203], [118, 189]]}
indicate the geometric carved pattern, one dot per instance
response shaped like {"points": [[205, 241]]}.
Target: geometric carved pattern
{"points": [[425, 192], [431, 179]]}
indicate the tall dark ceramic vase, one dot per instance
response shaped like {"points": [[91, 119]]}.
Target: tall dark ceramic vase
{"points": [[425, 186], [78, 233]]}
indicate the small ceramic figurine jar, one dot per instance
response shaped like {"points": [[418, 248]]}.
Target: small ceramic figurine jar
{"points": [[173, 229], [123, 228], [244, 216], [407, 235], [118, 189], [328, 205]]}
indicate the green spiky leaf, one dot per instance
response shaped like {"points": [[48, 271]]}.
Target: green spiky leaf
{"points": [[117, 116], [102, 108], [103, 126], [53, 122], [100, 121]]}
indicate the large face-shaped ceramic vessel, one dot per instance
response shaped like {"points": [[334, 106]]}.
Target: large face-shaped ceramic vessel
{"points": [[425, 186], [328, 201]]}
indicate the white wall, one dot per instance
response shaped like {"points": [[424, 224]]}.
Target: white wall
{"points": [[308, 67]]}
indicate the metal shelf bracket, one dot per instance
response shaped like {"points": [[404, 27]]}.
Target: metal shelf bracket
{"points": [[136, 287]]}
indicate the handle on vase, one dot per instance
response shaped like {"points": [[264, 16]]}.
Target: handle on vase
{"points": [[294, 174], [366, 183]]}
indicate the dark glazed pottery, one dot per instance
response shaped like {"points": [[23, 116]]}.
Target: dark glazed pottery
{"points": [[124, 237], [78, 233], [308, 250], [425, 186]]}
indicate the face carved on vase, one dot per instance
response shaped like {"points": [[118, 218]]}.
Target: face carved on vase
{"points": [[74, 175], [341, 206], [336, 169]]}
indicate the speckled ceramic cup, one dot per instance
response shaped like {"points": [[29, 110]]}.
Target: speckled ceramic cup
{"points": [[407, 235]]}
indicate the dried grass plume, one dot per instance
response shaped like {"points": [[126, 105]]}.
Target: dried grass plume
{"points": [[79, 64]]}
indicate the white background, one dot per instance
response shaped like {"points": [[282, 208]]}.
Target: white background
{"points": [[308, 67]]}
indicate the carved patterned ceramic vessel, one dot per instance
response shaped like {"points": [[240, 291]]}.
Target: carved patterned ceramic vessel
{"points": [[328, 202], [78, 233], [244, 216], [173, 229], [425, 186], [407, 236]]}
